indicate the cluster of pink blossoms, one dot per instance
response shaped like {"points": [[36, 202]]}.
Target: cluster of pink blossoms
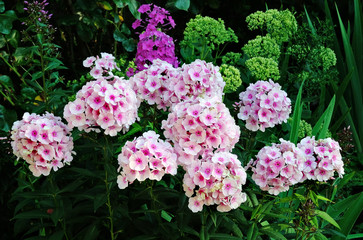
{"points": [[263, 105], [283, 165], [152, 84], [217, 179], [166, 86], [101, 67], [277, 167], [146, 157], [322, 159], [111, 105], [200, 126], [42, 141]]}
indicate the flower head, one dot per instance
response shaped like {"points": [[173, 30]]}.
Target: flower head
{"points": [[146, 157], [42, 141]]}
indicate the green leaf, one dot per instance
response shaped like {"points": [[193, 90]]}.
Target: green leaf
{"points": [[352, 209], [252, 232], [6, 81], [133, 7], [325, 120], [119, 36], [57, 236], [312, 28], [33, 214], [99, 200], [355, 82], [296, 116], [129, 45], [327, 218], [354, 236], [7, 118], [223, 236], [182, 4], [13, 38], [167, 216], [125, 29], [6, 21], [84, 32], [105, 5], [273, 234], [2, 6]]}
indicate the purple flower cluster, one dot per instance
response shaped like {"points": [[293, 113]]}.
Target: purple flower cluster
{"points": [[216, 179], [110, 105], [283, 165], [42, 141], [263, 105], [146, 157], [166, 86], [38, 8], [153, 43], [156, 17]]}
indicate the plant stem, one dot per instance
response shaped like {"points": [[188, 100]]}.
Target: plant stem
{"points": [[202, 229], [108, 203]]}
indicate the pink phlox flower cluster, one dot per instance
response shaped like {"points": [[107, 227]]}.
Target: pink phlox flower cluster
{"points": [[200, 126], [198, 79], [264, 105], [151, 83], [217, 179], [101, 67], [166, 86], [154, 44], [42, 141], [156, 17], [146, 157], [110, 105], [323, 158], [277, 167]]}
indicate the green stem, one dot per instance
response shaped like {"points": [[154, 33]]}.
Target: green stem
{"points": [[7, 98], [202, 229], [12, 68], [108, 203], [54, 195]]}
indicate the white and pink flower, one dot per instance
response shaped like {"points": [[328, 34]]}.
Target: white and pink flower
{"points": [[195, 128], [212, 181], [277, 167], [263, 105], [146, 157], [42, 141], [109, 105]]}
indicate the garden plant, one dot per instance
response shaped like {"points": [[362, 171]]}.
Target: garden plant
{"points": [[181, 119]]}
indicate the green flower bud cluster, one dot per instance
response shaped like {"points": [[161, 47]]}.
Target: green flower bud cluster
{"points": [[232, 77], [232, 58], [263, 68], [209, 29], [305, 129], [323, 57], [203, 37], [262, 47], [314, 60], [280, 25]]}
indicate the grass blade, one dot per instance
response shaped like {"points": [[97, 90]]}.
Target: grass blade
{"points": [[322, 124], [296, 116], [356, 84], [312, 28]]}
